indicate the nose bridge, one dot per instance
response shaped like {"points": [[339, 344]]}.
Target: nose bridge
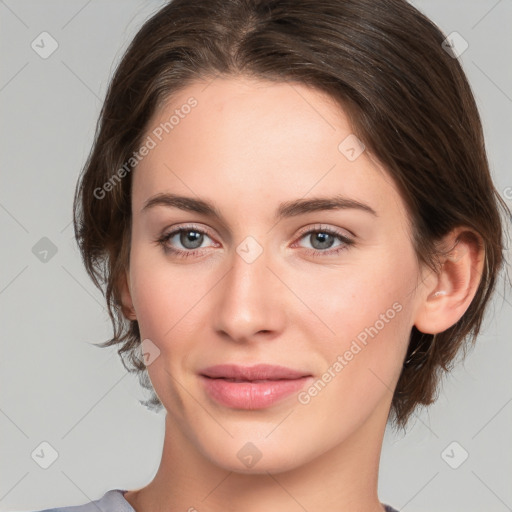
{"points": [[249, 297]]}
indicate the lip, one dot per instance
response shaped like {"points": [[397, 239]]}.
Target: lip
{"points": [[251, 387]]}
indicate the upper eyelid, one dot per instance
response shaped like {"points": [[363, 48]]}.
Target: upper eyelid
{"points": [[175, 230], [324, 227]]}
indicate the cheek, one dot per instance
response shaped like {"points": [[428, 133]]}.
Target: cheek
{"points": [[355, 297], [158, 294], [170, 301], [362, 361], [368, 312]]}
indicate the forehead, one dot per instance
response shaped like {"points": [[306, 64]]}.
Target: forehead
{"points": [[254, 142]]}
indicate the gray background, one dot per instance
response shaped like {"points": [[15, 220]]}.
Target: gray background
{"points": [[59, 388]]}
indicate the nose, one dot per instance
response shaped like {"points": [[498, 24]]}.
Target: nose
{"points": [[251, 300]]}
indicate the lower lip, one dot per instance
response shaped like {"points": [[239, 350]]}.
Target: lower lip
{"points": [[251, 395]]}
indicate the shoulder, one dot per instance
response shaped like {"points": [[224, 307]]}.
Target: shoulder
{"points": [[111, 501]]}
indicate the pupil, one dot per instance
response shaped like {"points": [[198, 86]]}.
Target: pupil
{"points": [[323, 244], [195, 238]]}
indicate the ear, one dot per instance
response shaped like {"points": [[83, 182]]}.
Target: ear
{"points": [[126, 296], [448, 293]]}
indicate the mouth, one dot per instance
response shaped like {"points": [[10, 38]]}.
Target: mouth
{"points": [[251, 387], [245, 380], [259, 372]]}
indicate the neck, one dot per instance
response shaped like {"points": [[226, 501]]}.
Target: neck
{"points": [[341, 479]]}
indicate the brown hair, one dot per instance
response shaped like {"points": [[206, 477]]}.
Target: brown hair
{"points": [[383, 62]]}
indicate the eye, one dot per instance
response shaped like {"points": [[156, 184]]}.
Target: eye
{"points": [[190, 237], [322, 240]]}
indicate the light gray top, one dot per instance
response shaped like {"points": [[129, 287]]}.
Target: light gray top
{"points": [[113, 501]]}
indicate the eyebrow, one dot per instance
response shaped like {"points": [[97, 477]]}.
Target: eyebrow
{"points": [[286, 209]]}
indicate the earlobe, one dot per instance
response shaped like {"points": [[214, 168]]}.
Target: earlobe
{"points": [[456, 282], [126, 297]]}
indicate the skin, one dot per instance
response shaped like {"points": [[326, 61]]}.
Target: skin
{"points": [[248, 146]]}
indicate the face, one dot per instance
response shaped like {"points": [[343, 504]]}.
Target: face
{"points": [[329, 293]]}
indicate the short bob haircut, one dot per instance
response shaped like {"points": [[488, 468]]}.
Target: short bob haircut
{"points": [[383, 62]]}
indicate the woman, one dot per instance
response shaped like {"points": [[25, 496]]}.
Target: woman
{"points": [[290, 207]]}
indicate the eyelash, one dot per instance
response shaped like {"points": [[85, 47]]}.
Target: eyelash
{"points": [[347, 242]]}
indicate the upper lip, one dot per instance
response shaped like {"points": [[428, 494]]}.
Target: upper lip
{"points": [[250, 373]]}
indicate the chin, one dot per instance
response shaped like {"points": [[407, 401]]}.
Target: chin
{"points": [[253, 452]]}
